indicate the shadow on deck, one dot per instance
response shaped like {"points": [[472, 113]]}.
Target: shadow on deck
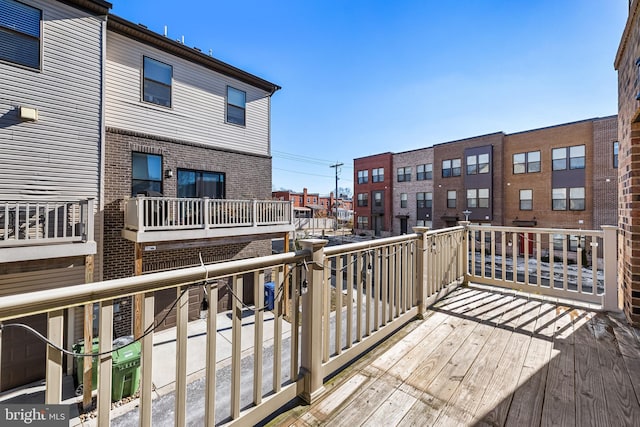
{"points": [[485, 357]]}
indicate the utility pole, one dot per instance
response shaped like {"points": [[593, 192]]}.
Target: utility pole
{"points": [[335, 197]]}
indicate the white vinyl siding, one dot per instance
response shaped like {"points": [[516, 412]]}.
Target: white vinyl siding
{"points": [[198, 101], [56, 157]]}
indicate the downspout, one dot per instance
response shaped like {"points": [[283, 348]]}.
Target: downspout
{"points": [[101, 177]]}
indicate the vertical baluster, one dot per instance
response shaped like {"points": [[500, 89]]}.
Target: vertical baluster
{"points": [[351, 260], [514, 253], [493, 254], [326, 309], [277, 331], [384, 283], [339, 272], [236, 344], [182, 336], [525, 242], [360, 265], [565, 263], [146, 388], [503, 253], [579, 263], [46, 220], [212, 327], [6, 221], [104, 370], [369, 293], [258, 297], [538, 259], [376, 293], [295, 324], [473, 252], [395, 281]]}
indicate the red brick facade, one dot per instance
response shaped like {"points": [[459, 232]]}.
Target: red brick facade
{"points": [[379, 218]]}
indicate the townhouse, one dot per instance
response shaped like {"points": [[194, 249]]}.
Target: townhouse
{"points": [[51, 103], [122, 152], [560, 176], [373, 192], [313, 205]]}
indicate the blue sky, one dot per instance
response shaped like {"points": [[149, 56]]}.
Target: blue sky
{"points": [[365, 77]]}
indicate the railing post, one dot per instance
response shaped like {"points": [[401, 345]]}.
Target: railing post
{"points": [[206, 211], [90, 224], [311, 363], [421, 280], [140, 217], [609, 254], [254, 213], [465, 249]]}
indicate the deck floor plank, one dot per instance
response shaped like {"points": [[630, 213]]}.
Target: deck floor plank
{"points": [[491, 357]]}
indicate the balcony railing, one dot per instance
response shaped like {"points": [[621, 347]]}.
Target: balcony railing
{"points": [[28, 224], [346, 299], [164, 218]]}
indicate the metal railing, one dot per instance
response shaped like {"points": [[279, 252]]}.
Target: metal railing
{"points": [[166, 213], [24, 223], [577, 265], [345, 299]]}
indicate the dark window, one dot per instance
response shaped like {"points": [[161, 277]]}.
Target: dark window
{"points": [[404, 174], [236, 106], [146, 173], [363, 177], [403, 200], [526, 200], [377, 175], [451, 168], [478, 198], [575, 154], [363, 222], [451, 199], [616, 147], [20, 33], [196, 184], [526, 162], [363, 199], [157, 82], [424, 172], [377, 198]]}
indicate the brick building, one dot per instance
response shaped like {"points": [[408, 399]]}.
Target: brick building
{"points": [[314, 205], [627, 63], [412, 189], [373, 194]]}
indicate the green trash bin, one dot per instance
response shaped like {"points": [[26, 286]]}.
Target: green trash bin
{"points": [[126, 368], [79, 348]]}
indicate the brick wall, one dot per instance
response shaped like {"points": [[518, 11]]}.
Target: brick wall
{"points": [[384, 160], [410, 159], [246, 177], [605, 189], [629, 165]]}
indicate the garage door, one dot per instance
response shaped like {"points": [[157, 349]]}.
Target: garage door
{"points": [[23, 355]]}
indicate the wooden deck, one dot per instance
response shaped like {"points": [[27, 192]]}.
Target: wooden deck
{"points": [[490, 358]]}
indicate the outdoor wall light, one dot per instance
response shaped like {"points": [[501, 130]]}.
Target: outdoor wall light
{"points": [[168, 173]]}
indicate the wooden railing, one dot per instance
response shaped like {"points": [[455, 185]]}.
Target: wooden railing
{"points": [[166, 213], [345, 300], [24, 223], [577, 265]]}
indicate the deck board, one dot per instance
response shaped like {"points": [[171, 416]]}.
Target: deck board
{"points": [[490, 357]]}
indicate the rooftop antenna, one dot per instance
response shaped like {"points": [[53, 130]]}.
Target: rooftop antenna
{"points": [[165, 31], [210, 52], [182, 39]]}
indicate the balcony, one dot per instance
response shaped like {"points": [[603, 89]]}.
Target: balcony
{"points": [[458, 326], [158, 219], [32, 230]]}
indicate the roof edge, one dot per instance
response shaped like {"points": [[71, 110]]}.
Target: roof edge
{"points": [[633, 11], [144, 35]]}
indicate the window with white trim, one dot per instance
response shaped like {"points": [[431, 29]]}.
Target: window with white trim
{"points": [[236, 106], [526, 162], [20, 33], [363, 177]]}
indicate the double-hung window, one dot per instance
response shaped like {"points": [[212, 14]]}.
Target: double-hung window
{"points": [[363, 199], [575, 154], [20, 33], [424, 172], [478, 198], [377, 198], [526, 162], [451, 198], [424, 200], [526, 200], [616, 147], [377, 175], [451, 168], [146, 173], [477, 164], [363, 177], [363, 222], [157, 78], [576, 199], [404, 174], [236, 106], [403, 200]]}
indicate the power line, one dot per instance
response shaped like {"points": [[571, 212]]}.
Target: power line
{"points": [[302, 158], [303, 173]]}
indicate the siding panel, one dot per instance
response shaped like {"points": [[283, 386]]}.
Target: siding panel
{"points": [[198, 101], [56, 157]]}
